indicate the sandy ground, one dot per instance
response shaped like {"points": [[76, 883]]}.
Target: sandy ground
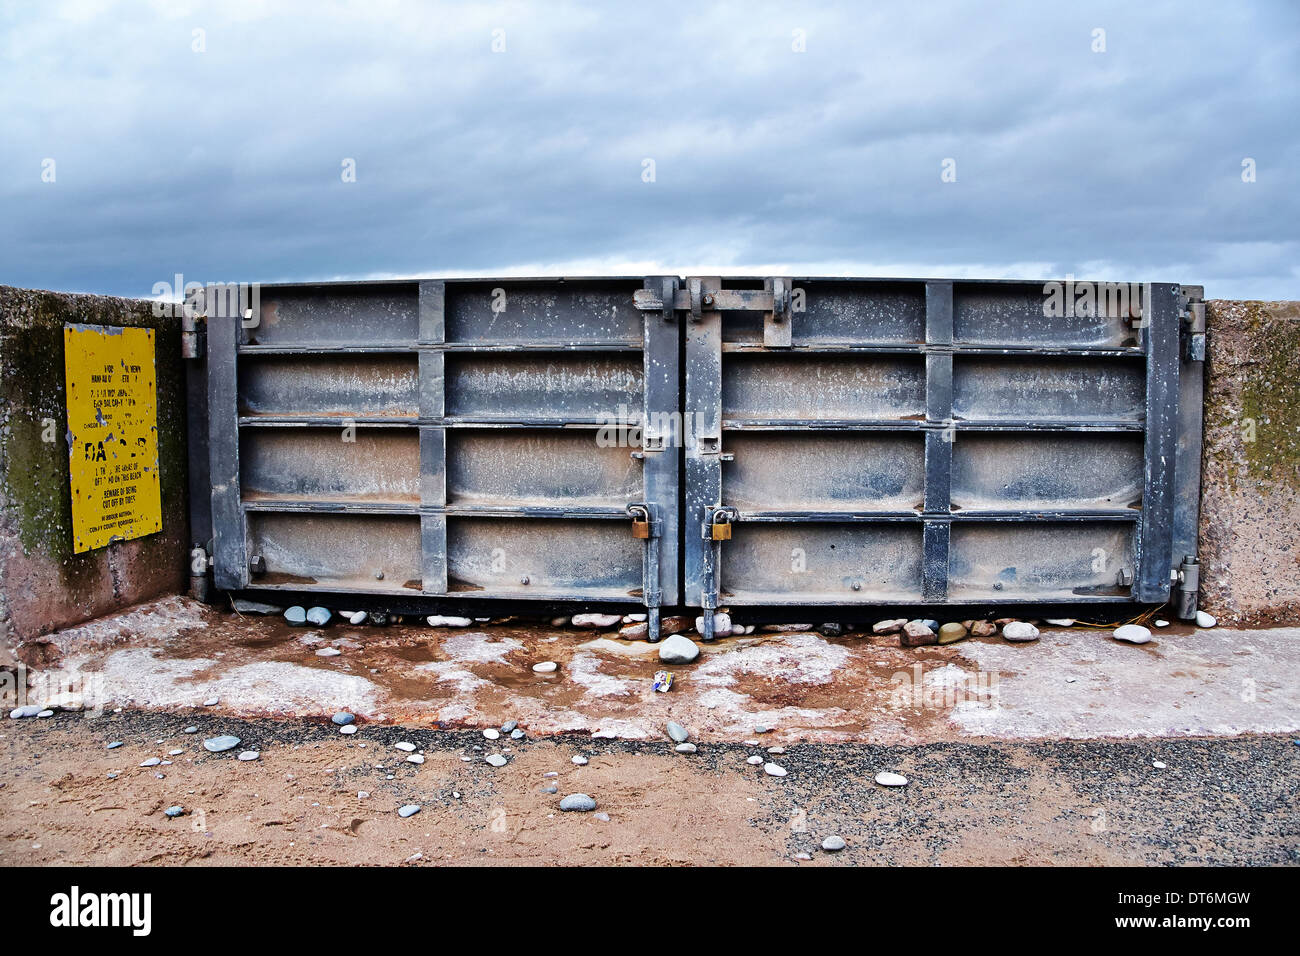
{"points": [[1229, 800], [1017, 753]]}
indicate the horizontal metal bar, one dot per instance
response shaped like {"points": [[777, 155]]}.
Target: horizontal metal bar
{"points": [[955, 516], [327, 506], [338, 421], [922, 349], [326, 348], [916, 425]]}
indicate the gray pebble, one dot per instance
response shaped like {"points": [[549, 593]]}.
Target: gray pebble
{"points": [[114, 745], [343, 718], [175, 811], [222, 743], [833, 844], [410, 810], [677, 732], [296, 614], [509, 726], [319, 616], [579, 802], [495, 760]]}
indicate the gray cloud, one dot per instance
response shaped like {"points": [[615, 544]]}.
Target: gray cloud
{"points": [[226, 164]]}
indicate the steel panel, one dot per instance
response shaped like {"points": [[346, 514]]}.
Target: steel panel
{"points": [[986, 449], [869, 441], [445, 438]]}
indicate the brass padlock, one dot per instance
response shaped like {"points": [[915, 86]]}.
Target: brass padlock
{"points": [[721, 531], [640, 528]]}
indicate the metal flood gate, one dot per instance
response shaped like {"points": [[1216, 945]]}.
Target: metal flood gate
{"points": [[704, 443]]}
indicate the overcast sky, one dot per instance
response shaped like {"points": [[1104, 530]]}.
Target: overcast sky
{"points": [[221, 154]]}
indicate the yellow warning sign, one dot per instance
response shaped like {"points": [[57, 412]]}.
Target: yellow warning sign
{"points": [[112, 434]]}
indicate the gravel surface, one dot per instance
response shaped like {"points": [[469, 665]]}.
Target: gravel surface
{"points": [[1219, 801]]}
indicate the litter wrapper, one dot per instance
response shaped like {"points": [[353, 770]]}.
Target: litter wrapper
{"points": [[663, 681]]}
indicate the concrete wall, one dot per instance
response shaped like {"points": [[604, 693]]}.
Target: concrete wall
{"points": [[1250, 491], [43, 585]]}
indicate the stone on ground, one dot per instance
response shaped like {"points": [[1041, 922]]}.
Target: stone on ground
{"points": [[1019, 631], [678, 649], [1132, 634]]}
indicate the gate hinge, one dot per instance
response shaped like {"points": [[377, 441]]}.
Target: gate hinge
{"points": [[697, 300], [194, 335], [1193, 327]]}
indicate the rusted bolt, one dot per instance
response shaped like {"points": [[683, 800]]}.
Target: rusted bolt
{"points": [[708, 299]]}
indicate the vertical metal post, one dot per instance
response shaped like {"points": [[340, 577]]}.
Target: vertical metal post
{"points": [[1187, 457], [662, 435], [1155, 556], [703, 436], [936, 538], [229, 534]]}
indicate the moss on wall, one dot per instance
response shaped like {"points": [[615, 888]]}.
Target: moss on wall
{"points": [[34, 482], [1270, 395]]}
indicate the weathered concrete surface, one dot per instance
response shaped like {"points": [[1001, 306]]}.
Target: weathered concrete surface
{"points": [[173, 654], [1250, 490], [43, 584]]}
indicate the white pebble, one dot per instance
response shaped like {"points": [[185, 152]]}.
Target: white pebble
{"points": [[888, 779], [1133, 634], [545, 667], [580, 760], [774, 770], [1205, 620]]}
